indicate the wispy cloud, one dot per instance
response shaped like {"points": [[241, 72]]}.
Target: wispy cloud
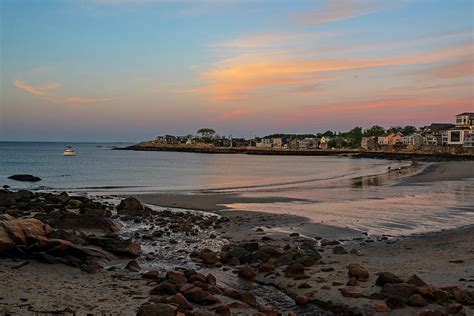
{"points": [[463, 67], [42, 90], [47, 91], [337, 10], [237, 78], [268, 40]]}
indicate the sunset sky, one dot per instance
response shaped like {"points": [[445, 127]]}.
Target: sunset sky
{"points": [[126, 70]]}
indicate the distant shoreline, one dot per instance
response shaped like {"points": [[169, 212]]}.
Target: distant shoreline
{"points": [[354, 153]]}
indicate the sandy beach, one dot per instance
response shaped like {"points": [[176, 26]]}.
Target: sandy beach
{"points": [[443, 260]]}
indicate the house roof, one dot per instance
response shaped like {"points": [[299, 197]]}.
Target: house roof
{"points": [[471, 114]]}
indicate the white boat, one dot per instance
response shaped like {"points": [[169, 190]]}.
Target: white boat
{"points": [[69, 151]]}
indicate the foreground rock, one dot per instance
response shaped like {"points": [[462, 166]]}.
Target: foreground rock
{"points": [[189, 292], [25, 178], [58, 233]]}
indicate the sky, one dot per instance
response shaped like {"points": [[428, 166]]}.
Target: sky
{"points": [[128, 70]]}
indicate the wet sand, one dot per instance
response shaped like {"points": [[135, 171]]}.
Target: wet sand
{"points": [[443, 171], [211, 202]]}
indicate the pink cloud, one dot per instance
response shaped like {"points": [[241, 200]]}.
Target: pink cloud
{"points": [[231, 115], [45, 91]]}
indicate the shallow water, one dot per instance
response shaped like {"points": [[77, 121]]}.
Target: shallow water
{"points": [[101, 169]]}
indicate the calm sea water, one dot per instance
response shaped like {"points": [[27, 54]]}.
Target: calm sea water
{"points": [[97, 167], [335, 190]]}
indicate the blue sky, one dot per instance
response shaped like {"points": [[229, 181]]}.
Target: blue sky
{"points": [[128, 70]]}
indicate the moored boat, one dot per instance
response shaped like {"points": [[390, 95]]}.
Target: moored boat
{"points": [[69, 151]]}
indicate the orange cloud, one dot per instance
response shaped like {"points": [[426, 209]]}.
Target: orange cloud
{"points": [[39, 91], [337, 10], [240, 77], [457, 69], [375, 107], [44, 91]]}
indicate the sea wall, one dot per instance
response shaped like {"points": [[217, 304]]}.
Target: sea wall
{"points": [[423, 153]]}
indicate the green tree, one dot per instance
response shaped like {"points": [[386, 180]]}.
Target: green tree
{"points": [[375, 130], [355, 135], [408, 130], [206, 132], [395, 129], [328, 133]]}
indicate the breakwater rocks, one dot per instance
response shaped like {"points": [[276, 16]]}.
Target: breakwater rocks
{"points": [[422, 155]]}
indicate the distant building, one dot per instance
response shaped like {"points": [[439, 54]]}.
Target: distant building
{"points": [[469, 141], [294, 143], [277, 142], [265, 142], [368, 142], [463, 130], [436, 134], [240, 142], [390, 139], [166, 140], [413, 140], [309, 142]]}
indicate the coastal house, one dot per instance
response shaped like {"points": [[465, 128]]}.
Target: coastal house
{"points": [[294, 143], [436, 134], [309, 142], [324, 141], [464, 128], [413, 140], [277, 142], [240, 142], [368, 142], [390, 139], [265, 143], [469, 141], [166, 140]]}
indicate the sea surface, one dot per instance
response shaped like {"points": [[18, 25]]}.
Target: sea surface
{"points": [[360, 194]]}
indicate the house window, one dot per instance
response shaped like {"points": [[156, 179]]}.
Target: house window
{"points": [[455, 136]]}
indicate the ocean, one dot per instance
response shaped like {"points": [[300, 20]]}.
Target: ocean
{"points": [[341, 191]]}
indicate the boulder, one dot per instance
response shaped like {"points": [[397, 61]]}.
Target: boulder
{"points": [[25, 178], [301, 299], [6, 243], [248, 298], [119, 247], [208, 256], [417, 300], [415, 280], [80, 222], [294, 269], [157, 309], [273, 251], [132, 207], [20, 230], [350, 292], [151, 275], [247, 272], [181, 302], [133, 266], [197, 295], [400, 290], [387, 277], [358, 272], [6, 198], [453, 308]]}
